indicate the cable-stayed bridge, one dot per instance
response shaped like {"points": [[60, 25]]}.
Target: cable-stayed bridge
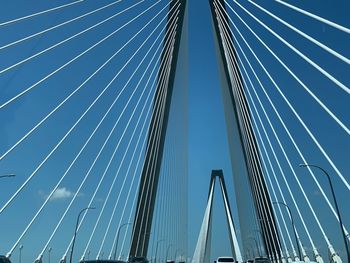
{"points": [[94, 122]]}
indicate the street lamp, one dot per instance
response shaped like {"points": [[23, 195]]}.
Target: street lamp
{"points": [[7, 175], [155, 256], [75, 231], [335, 203], [182, 257], [116, 243], [20, 253], [177, 250], [50, 248], [167, 252], [293, 225]]}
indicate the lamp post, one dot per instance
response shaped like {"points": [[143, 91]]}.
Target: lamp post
{"points": [[75, 231], [177, 250], [155, 255], [293, 225], [167, 252], [7, 175], [116, 243], [257, 245], [335, 203], [50, 248], [20, 253]]}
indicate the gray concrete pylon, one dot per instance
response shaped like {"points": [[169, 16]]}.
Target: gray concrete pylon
{"points": [[153, 158]]}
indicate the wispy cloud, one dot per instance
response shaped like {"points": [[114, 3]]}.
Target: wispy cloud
{"points": [[60, 194]]}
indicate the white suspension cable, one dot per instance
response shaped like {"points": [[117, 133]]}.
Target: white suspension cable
{"points": [[316, 17], [163, 82], [153, 167], [340, 123], [56, 26], [302, 157], [163, 200], [84, 147], [117, 202], [287, 253], [294, 252], [148, 186], [151, 187], [157, 222], [285, 157], [281, 120], [234, 74], [76, 123], [127, 173], [102, 176], [172, 29], [301, 54], [64, 101], [57, 185], [302, 122], [39, 13], [308, 37], [281, 250], [225, 33], [154, 164], [73, 59], [304, 161], [226, 38], [123, 184], [128, 195], [273, 190], [154, 126]]}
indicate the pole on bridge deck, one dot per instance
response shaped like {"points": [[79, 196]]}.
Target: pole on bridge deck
{"points": [[156, 253], [20, 253], [150, 177], [167, 251], [249, 151], [335, 203], [177, 250], [75, 231], [293, 226], [117, 240]]}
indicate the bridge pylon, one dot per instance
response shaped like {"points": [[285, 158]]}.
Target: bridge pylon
{"points": [[202, 251], [244, 151], [156, 139]]}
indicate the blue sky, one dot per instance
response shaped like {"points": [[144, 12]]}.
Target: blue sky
{"points": [[207, 138], [202, 57]]}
